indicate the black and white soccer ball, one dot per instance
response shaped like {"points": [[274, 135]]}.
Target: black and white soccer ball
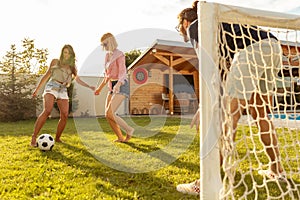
{"points": [[45, 142]]}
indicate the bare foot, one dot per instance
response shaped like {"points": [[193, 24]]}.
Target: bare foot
{"points": [[129, 135], [33, 142], [58, 140], [119, 140]]}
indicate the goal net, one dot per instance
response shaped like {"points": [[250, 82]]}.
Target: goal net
{"points": [[249, 103]]}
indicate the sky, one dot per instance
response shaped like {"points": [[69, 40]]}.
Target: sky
{"points": [[135, 23]]}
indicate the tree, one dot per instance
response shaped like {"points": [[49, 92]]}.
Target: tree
{"points": [[19, 74], [131, 56]]}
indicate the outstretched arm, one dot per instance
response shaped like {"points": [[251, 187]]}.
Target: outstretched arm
{"points": [[44, 78], [102, 84], [81, 82]]}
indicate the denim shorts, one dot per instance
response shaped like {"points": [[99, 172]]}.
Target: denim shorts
{"points": [[124, 89], [58, 90]]}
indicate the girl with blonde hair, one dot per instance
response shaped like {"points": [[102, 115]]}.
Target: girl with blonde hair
{"points": [[116, 78]]}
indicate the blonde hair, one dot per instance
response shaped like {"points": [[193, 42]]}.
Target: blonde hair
{"points": [[110, 40]]}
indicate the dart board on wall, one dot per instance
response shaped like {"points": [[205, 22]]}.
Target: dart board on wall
{"points": [[140, 75]]}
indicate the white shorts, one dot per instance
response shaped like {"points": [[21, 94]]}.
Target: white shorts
{"points": [[59, 91], [254, 69]]}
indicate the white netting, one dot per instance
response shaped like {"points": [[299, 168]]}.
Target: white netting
{"points": [[260, 104]]}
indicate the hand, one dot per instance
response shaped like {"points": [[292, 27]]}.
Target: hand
{"points": [[97, 92], [34, 94], [196, 120], [116, 89]]}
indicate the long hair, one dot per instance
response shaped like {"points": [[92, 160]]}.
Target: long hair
{"points": [[71, 60], [189, 14], [109, 40]]}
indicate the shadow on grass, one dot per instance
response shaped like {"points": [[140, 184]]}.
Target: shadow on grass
{"points": [[163, 156], [143, 185], [19, 128], [159, 184], [255, 187]]}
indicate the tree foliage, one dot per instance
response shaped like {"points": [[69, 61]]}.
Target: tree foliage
{"points": [[131, 56], [19, 74]]}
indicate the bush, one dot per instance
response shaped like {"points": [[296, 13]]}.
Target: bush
{"points": [[19, 76]]}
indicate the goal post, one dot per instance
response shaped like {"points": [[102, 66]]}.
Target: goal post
{"points": [[208, 104], [254, 78]]}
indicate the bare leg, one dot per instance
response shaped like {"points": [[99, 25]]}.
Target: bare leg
{"points": [[115, 103], [267, 130], [235, 109], [111, 120], [63, 105], [48, 106]]}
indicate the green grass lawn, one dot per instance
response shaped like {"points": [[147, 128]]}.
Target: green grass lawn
{"points": [[163, 153], [251, 156], [79, 168]]}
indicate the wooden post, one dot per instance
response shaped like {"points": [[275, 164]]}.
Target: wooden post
{"points": [[171, 89]]}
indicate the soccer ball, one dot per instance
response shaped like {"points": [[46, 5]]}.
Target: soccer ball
{"points": [[45, 142]]}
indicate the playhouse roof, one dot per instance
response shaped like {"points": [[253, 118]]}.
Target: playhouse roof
{"points": [[165, 53]]}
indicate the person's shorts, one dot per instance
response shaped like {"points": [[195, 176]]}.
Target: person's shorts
{"points": [[254, 69], [124, 89], [59, 91]]}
